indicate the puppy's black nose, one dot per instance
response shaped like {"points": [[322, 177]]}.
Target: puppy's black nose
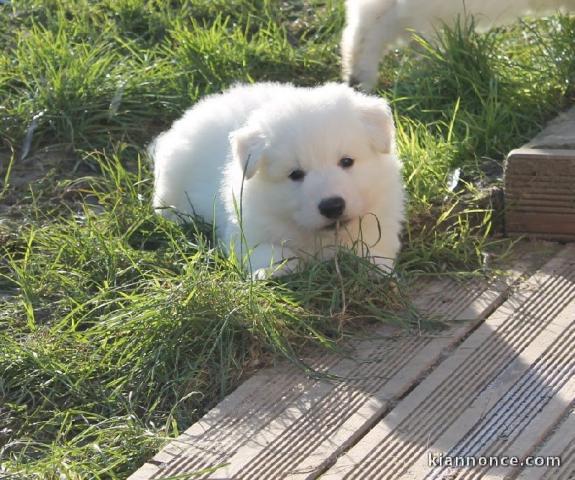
{"points": [[332, 207]]}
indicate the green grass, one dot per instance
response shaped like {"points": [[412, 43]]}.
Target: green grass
{"points": [[118, 328]]}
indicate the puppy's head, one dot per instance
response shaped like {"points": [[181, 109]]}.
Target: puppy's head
{"points": [[318, 156]]}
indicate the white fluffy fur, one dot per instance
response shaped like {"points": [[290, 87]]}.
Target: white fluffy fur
{"points": [[267, 131], [373, 26]]}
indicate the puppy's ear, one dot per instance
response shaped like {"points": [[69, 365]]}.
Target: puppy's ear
{"points": [[378, 120], [248, 145]]}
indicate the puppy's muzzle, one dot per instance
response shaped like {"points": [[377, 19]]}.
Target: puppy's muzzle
{"points": [[332, 207]]}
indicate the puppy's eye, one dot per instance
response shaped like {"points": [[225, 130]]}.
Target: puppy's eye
{"points": [[346, 162], [297, 175]]}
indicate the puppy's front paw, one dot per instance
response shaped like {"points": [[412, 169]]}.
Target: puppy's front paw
{"points": [[385, 264], [261, 274], [265, 265], [270, 272], [385, 267]]}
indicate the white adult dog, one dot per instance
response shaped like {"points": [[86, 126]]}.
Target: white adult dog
{"points": [[374, 26], [285, 172]]}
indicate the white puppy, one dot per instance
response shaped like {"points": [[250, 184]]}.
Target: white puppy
{"points": [[307, 169], [374, 26]]}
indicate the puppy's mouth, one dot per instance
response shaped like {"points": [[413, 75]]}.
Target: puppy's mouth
{"points": [[338, 223]]}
